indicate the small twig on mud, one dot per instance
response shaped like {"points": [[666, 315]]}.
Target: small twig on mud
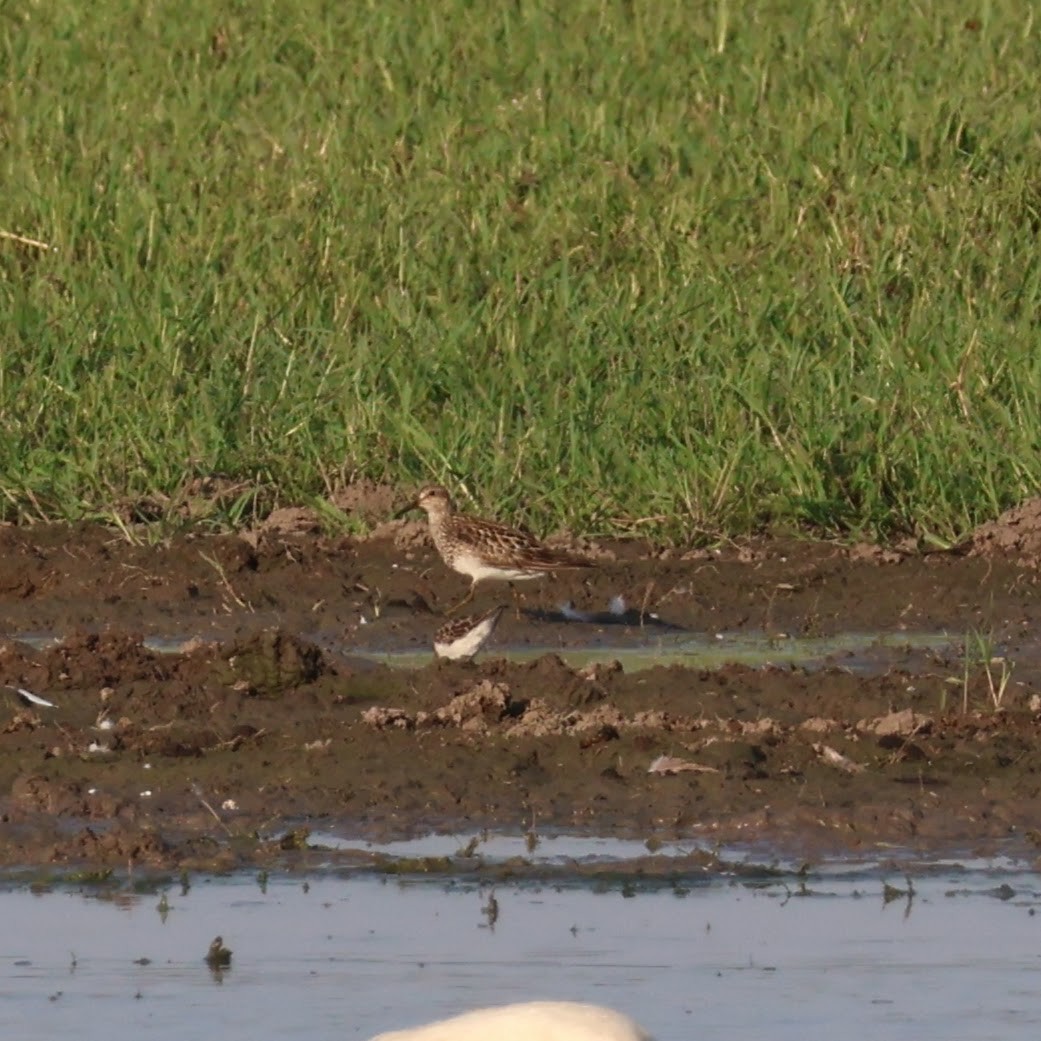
{"points": [[219, 568], [678, 589], [901, 750], [834, 758], [670, 764], [233, 743], [646, 600], [197, 792], [997, 692], [73, 745], [375, 597]]}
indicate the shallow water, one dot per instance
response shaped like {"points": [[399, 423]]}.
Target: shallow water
{"points": [[636, 648], [827, 956], [858, 652]]}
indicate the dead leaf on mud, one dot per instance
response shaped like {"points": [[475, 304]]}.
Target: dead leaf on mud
{"points": [[670, 764], [819, 725], [833, 758], [197, 645], [765, 727], [904, 723], [382, 718]]}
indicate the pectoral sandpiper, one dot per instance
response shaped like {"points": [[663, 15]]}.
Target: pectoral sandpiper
{"points": [[484, 549], [461, 638]]}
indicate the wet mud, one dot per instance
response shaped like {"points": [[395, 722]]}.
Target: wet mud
{"points": [[217, 699]]}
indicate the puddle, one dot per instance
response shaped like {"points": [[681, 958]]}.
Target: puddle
{"points": [[496, 848], [579, 850], [348, 957], [858, 652], [637, 649]]}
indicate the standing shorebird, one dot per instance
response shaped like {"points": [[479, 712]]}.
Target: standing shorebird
{"points": [[483, 549], [461, 638]]}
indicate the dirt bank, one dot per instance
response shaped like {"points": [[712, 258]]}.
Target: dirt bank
{"points": [[273, 718]]}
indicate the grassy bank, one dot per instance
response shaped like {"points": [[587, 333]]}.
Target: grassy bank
{"points": [[612, 265]]}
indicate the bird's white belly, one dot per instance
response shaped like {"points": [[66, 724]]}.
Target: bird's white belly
{"points": [[478, 569], [465, 647], [468, 643]]}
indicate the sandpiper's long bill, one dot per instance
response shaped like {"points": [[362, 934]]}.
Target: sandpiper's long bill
{"points": [[461, 638], [483, 549]]}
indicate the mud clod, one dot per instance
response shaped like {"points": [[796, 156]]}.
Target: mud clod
{"points": [[1015, 534], [271, 664]]}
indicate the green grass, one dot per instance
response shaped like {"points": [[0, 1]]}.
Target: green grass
{"points": [[685, 270]]}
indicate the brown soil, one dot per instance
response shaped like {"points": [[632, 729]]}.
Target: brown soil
{"points": [[271, 720]]}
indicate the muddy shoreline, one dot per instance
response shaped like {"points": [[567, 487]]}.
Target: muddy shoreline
{"points": [[270, 718]]}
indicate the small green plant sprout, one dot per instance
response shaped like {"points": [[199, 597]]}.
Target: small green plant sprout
{"points": [[979, 653]]}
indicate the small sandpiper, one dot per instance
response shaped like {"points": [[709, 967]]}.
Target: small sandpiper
{"points": [[484, 549], [461, 638]]}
